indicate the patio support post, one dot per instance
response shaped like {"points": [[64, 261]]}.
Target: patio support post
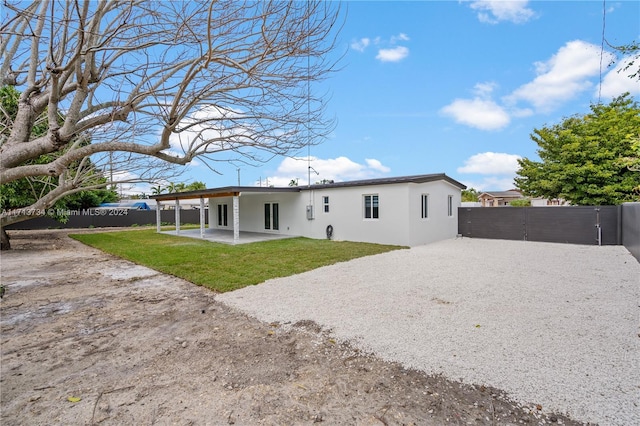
{"points": [[158, 220], [201, 217], [236, 219], [177, 216]]}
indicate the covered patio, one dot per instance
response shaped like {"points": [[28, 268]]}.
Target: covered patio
{"points": [[227, 236]]}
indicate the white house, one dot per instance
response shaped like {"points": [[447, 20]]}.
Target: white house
{"points": [[408, 210]]}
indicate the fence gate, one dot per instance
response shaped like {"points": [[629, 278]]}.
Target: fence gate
{"points": [[599, 225]]}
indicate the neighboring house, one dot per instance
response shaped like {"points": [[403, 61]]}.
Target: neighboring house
{"points": [[133, 205], [504, 198], [184, 205], [408, 210], [471, 204], [499, 198]]}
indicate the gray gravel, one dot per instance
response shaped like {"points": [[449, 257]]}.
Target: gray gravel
{"points": [[549, 324]]}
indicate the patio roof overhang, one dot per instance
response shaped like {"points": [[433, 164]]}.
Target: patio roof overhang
{"points": [[227, 191]]}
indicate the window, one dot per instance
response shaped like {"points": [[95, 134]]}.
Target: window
{"points": [[222, 215], [371, 208], [425, 206], [450, 205], [271, 216], [325, 204]]}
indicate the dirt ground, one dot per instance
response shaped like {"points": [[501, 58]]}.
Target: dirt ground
{"points": [[88, 338]]}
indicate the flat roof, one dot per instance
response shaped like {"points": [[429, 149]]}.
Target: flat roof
{"points": [[236, 190], [390, 180]]}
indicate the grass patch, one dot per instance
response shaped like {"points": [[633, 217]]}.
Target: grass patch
{"points": [[223, 267]]}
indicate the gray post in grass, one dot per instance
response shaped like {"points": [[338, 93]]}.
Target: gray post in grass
{"points": [[201, 217], [158, 216], [236, 219], [177, 216]]}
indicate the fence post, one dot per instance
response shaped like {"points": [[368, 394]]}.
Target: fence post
{"points": [[177, 212], [158, 216], [598, 227], [202, 217], [619, 227]]}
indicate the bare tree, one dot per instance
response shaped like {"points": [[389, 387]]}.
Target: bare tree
{"points": [[136, 86]]}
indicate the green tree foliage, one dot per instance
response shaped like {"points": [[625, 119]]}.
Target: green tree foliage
{"points": [[178, 187], [26, 191], [523, 202], [470, 194], [193, 186], [587, 160]]}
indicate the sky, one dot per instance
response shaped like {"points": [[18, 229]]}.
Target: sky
{"points": [[454, 87]]}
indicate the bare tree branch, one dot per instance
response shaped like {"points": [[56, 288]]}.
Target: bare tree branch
{"points": [[162, 82]]}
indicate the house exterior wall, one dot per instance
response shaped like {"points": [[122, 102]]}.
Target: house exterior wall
{"points": [[399, 221], [252, 212], [439, 225], [346, 214]]}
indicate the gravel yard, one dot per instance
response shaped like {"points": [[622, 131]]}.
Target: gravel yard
{"points": [[551, 323], [459, 332]]}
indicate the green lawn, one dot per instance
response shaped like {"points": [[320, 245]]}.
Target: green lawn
{"points": [[223, 267]]}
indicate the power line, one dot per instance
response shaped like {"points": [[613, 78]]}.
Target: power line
{"points": [[604, 20]]}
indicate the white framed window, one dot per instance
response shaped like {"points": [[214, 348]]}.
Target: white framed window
{"points": [[371, 207], [424, 210], [325, 204], [271, 216], [222, 215], [450, 205]]}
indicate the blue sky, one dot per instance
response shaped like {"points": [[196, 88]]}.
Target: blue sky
{"points": [[454, 87]]}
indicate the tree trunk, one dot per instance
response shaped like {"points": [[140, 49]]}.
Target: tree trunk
{"points": [[4, 244]]}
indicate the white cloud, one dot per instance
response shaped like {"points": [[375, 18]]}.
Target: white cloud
{"points": [[562, 77], [495, 11], [360, 45], [206, 124], [484, 90], [617, 81], [399, 37], [395, 54], [483, 114], [491, 163], [497, 169], [336, 169], [490, 183], [388, 50], [377, 165]]}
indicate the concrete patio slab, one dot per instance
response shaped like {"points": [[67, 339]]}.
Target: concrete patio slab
{"points": [[226, 236]]}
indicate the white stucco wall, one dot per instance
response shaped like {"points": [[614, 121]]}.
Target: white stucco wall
{"points": [[346, 214], [399, 221], [252, 211], [438, 225]]}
